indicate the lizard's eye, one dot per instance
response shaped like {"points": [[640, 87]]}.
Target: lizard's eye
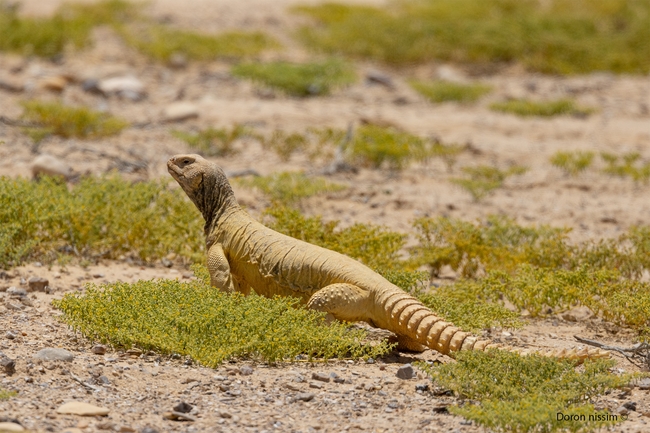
{"points": [[186, 161]]}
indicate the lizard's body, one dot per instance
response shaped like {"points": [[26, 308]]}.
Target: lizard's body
{"points": [[244, 254]]}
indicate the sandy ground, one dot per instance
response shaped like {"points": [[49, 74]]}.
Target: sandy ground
{"points": [[140, 388]]}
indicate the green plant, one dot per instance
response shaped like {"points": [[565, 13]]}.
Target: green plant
{"points": [[556, 36], [445, 91], [289, 187], [508, 392], [67, 122], [5, 395], [375, 246], [447, 152], [196, 320], [375, 146], [161, 43], [70, 26], [298, 79], [482, 180], [214, 142], [572, 163], [524, 107], [286, 144], [98, 218], [628, 167]]}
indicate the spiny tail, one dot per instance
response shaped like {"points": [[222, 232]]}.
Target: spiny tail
{"points": [[406, 316]]}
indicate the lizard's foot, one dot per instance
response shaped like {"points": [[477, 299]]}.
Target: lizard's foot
{"points": [[407, 344], [343, 301]]}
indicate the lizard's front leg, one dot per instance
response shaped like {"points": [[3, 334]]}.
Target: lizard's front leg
{"points": [[220, 276]]}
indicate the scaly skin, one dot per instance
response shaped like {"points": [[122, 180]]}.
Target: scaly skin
{"points": [[244, 254]]}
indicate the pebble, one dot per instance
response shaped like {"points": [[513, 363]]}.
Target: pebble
{"points": [[246, 370], [37, 284], [183, 407], [179, 111], [377, 77], [54, 354], [622, 410], [98, 349], [11, 85], [320, 376], [7, 364], [304, 396], [127, 86], [578, 314], [10, 427], [148, 429], [630, 405], [315, 385], [13, 306], [16, 292], [56, 83], [422, 387], [405, 372], [49, 165], [81, 408], [178, 61], [644, 383], [178, 416]]}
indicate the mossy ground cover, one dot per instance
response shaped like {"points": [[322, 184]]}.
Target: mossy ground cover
{"points": [[298, 79], [572, 163], [527, 108], [5, 395], [69, 122], [47, 221], [557, 36], [482, 180], [196, 320], [214, 141], [446, 91], [525, 394], [289, 187]]}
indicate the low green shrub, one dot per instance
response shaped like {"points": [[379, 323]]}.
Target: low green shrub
{"points": [[445, 91], [199, 321], [289, 187], [6, 395], [98, 218], [70, 122], [572, 163], [161, 43], [627, 165], [525, 107], [214, 142], [556, 36], [373, 146], [508, 392], [482, 180], [286, 144], [298, 79]]}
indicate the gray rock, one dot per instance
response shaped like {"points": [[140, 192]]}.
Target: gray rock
{"points": [[98, 349], [245, 370], [179, 111], [578, 314], [405, 372], [183, 407], [148, 429], [10, 427], [622, 410], [374, 76], [422, 387], [7, 364], [49, 165], [54, 354], [644, 383], [38, 284], [304, 396], [320, 376], [16, 292], [630, 405], [127, 86]]}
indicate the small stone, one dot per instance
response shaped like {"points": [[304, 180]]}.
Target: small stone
{"points": [[104, 380], [377, 77], [315, 385], [7, 364], [622, 410], [106, 425], [320, 376], [178, 416], [91, 85], [393, 404], [245, 370], [166, 262], [126, 429], [98, 349], [405, 372], [49, 165], [13, 305], [148, 429], [54, 354], [304, 396], [128, 87], [37, 284], [55, 84], [578, 314], [98, 275], [16, 292], [11, 335], [10, 427], [11, 85], [183, 407], [225, 415], [83, 409], [179, 111], [440, 408], [422, 387], [630, 405], [177, 60], [644, 383]]}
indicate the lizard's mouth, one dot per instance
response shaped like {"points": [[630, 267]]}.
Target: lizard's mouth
{"points": [[174, 170]]}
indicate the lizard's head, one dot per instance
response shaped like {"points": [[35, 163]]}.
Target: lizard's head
{"points": [[204, 182]]}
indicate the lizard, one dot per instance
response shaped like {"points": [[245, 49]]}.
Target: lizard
{"points": [[243, 254]]}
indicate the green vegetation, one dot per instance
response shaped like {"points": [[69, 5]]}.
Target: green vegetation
{"points": [[99, 218], [556, 36], [5, 395], [445, 91], [573, 163], [630, 166], [298, 79], [524, 107], [373, 146], [70, 26], [525, 393], [289, 187], [161, 43], [55, 118], [483, 179], [284, 144], [196, 320], [214, 142]]}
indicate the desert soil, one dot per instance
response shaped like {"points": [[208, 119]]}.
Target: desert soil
{"points": [[139, 388]]}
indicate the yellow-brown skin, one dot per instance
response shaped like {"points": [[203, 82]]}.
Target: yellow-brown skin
{"points": [[244, 254]]}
